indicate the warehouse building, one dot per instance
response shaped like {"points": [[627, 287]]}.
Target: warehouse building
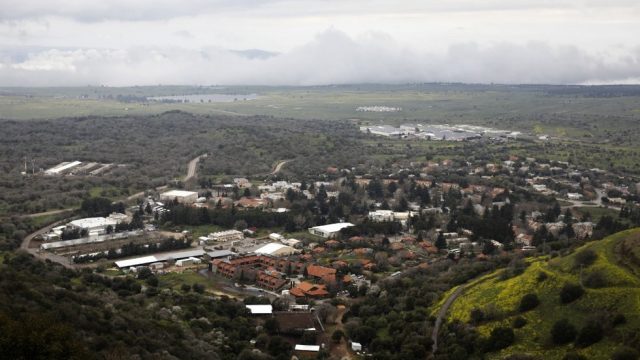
{"points": [[181, 196], [330, 230]]}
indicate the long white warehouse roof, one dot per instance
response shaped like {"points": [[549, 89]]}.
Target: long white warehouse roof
{"points": [[331, 228], [178, 193], [176, 255]]}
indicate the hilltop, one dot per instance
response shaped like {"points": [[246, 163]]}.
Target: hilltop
{"points": [[608, 270]]}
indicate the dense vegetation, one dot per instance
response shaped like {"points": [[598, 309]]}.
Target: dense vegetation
{"points": [[48, 312], [550, 311]]}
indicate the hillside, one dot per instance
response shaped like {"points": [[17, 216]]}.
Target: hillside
{"points": [[612, 288]]}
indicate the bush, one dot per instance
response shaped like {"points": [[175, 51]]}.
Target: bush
{"points": [[563, 332], [542, 276], [571, 293], [476, 316], [619, 319], [500, 338], [337, 336], [595, 280], [528, 302], [591, 333], [585, 258], [519, 322], [625, 353], [573, 356]]}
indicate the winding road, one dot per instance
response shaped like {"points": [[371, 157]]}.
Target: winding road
{"points": [[442, 313], [26, 242], [279, 166]]}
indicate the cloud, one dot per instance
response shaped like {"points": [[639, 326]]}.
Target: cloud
{"points": [[140, 10], [332, 57]]}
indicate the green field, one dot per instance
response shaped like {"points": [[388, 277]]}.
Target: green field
{"points": [[536, 109], [621, 295]]}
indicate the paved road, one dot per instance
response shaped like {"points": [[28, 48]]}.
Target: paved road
{"points": [[25, 245], [441, 314]]}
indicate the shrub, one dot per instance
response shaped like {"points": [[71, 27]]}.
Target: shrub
{"points": [[585, 258], [337, 336], [571, 293], [528, 302], [476, 316], [625, 353], [542, 276], [591, 333], [573, 356], [500, 338], [563, 332], [619, 319], [595, 280], [519, 322]]}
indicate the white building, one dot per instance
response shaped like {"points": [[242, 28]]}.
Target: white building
{"points": [[224, 236], [260, 309], [330, 230], [97, 225], [62, 167], [381, 215], [276, 237], [574, 196], [275, 249], [182, 196]]}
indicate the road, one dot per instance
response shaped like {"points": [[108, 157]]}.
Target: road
{"points": [[192, 168], [279, 166], [26, 242], [441, 314]]}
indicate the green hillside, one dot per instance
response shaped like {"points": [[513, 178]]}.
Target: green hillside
{"points": [[612, 288]]}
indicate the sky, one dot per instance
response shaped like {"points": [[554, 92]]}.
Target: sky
{"points": [[318, 42]]}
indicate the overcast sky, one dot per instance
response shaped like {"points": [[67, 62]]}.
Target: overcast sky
{"points": [[147, 42]]}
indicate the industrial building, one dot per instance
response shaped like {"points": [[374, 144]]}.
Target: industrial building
{"points": [[275, 249], [330, 230], [224, 236], [181, 196], [98, 225]]}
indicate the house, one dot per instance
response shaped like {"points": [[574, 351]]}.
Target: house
{"points": [[242, 182], [181, 196], [356, 346], [330, 230], [295, 323], [249, 202], [260, 309], [326, 274], [307, 289]]}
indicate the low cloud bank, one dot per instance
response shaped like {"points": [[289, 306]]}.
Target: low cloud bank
{"points": [[332, 57]]}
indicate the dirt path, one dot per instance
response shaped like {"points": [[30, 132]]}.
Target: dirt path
{"points": [[441, 314], [192, 168], [279, 166]]}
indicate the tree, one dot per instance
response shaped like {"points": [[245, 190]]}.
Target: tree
{"points": [[570, 293], [591, 333], [441, 242], [563, 332], [528, 302], [625, 353], [337, 336], [500, 338]]}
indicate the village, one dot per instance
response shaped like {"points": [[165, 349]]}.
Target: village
{"points": [[298, 251]]}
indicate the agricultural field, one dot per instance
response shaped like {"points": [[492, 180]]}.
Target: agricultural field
{"points": [[616, 294]]}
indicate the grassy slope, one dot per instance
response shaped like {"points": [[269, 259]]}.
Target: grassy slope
{"points": [[621, 296]]}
